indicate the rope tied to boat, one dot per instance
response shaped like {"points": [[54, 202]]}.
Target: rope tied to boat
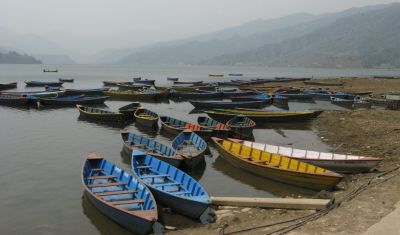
{"points": [[302, 220]]}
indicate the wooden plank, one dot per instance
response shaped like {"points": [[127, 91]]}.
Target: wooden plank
{"points": [[106, 184], [96, 169], [127, 202], [116, 192], [101, 177], [276, 203]]}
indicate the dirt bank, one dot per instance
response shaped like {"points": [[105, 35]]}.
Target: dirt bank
{"points": [[359, 132]]}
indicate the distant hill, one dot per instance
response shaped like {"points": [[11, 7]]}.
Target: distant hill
{"points": [[54, 59], [363, 40], [211, 48], [13, 57]]}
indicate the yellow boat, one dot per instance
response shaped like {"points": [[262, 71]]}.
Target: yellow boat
{"points": [[276, 166]]}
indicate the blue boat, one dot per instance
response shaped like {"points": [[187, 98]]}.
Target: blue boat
{"points": [[150, 146], [95, 91], [120, 196], [73, 100], [145, 81], [15, 100], [172, 79], [190, 146], [229, 104], [172, 187], [39, 83], [261, 96]]}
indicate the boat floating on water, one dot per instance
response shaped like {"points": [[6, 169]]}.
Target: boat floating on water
{"points": [[6, 86], [173, 187], [66, 79], [229, 104], [130, 109], [191, 147], [146, 118], [40, 83], [73, 100], [175, 126], [99, 114], [120, 196], [241, 126]]}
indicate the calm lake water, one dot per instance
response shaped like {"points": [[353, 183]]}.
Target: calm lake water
{"points": [[42, 151]]}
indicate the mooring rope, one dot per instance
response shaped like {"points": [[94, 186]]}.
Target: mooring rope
{"points": [[302, 220]]}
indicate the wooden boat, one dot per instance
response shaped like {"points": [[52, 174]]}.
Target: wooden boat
{"points": [[39, 83], [332, 161], [50, 71], [150, 146], [326, 95], [276, 166], [193, 88], [146, 117], [113, 83], [174, 79], [73, 100], [219, 129], [6, 86], [190, 146], [38, 94], [175, 126], [265, 117], [342, 102], [94, 91], [215, 75], [136, 95], [66, 80], [257, 97], [295, 96], [362, 104], [171, 186], [235, 74], [131, 86], [15, 100], [145, 81], [198, 83], [317, 83], [196, 95], [228, 94], [241, 126], [130, 109], [279, 99], [99, 114], [120, 196], [229, 104]]}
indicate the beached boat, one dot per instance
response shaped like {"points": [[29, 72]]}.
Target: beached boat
{"points": [[113, 83], [94, 91], [228, 104], [34, 93], [265, 116], [120, 196], [147, 94], [258, 97], [336, 162], [145, 81], [73, 100], [15, 100], [276, 167], [294, 96], [40, 83], [174, 79], [66, 80], [215, 75], [198, 83], [326, 95], [191, 147], [6, 86], [172, 187], [99, 114], [241, 126], [146, 117], [150, 146], [362, 104], [130, 109], [175, 126], [318, 83], [342, 102]]}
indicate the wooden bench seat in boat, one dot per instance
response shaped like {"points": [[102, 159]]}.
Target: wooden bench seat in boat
{"points": [[137, 201], [116, 192], [101, 177], [106, 184], [96, 169]]}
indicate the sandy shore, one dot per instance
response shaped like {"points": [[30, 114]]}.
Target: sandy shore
{"points": [[373, 132]]}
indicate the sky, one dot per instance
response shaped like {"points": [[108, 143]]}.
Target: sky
{"points": [[88, 26]]}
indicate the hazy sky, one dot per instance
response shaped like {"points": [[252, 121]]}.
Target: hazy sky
{"points": [[91, 25]]}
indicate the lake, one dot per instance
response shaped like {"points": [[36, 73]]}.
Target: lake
{"points": [[42, 151]]}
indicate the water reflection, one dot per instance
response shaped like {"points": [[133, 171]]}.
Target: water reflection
{"points": [[257, 182]]}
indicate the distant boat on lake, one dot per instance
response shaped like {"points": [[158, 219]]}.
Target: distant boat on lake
{"points": [[215, 75], [50, 71]]}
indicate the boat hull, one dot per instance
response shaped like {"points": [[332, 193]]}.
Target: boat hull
{"points": [[108, 116], [224, 117], [222, 105], [294, 178], [58, 102]]}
